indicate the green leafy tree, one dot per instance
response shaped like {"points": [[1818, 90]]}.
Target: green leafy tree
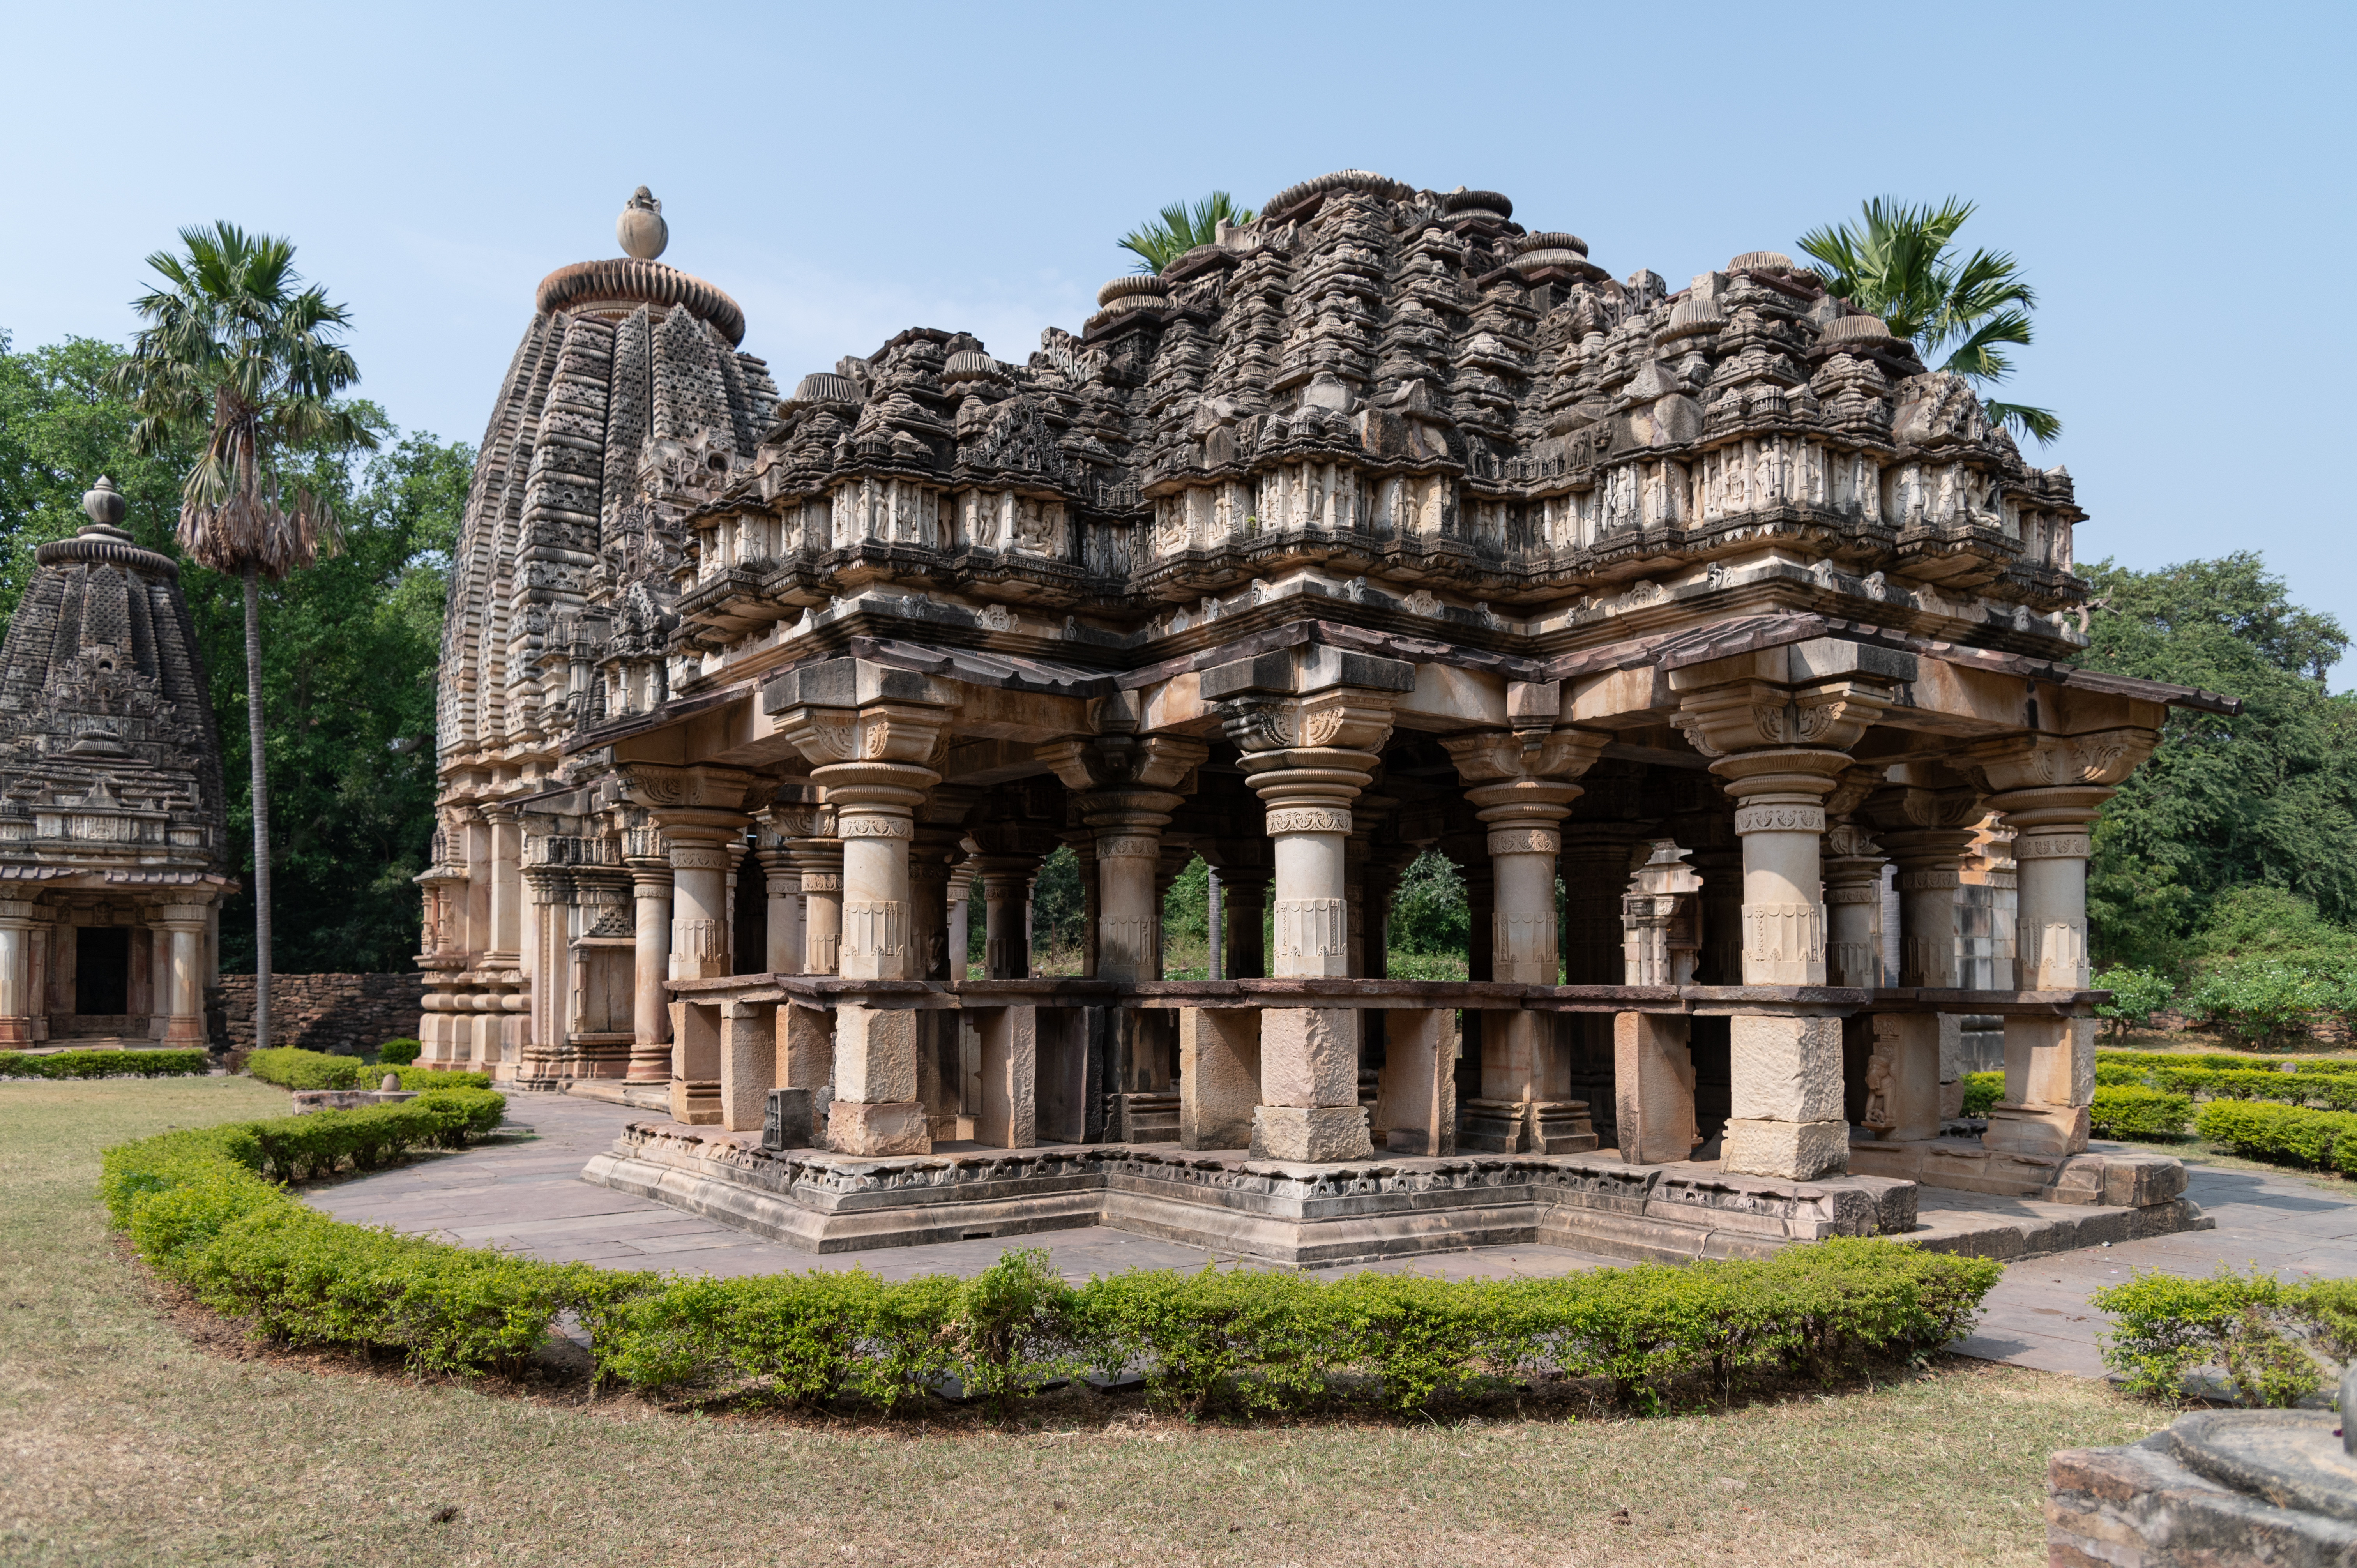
{"points": [[348, 647], [2266, 799], [1901, 262], [1180, 228], [235, 354]]}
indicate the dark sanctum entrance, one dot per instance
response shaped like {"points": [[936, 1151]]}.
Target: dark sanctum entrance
{"points": [[101, 969]]}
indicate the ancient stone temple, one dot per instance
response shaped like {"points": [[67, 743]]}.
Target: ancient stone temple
{"points": [[112, 826], [1383, 524]]}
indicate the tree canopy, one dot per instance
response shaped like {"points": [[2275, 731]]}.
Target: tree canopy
{"points": [[348, 654], [2266, 798]]}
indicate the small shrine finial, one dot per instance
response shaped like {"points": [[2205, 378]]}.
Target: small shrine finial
{"points": [[642, 228], [103, 504]]}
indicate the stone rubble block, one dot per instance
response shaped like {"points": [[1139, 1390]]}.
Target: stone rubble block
{"points": [[1786, 1068], [1797, 1151]]}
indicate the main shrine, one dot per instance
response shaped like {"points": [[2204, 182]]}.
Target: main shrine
{"points": [[1381, 525]]}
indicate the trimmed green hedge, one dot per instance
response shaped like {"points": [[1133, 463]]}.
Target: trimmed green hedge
{"points": [[2266, 1334], [2325, 1139], [399, 1052], [2224, 1061], [105, 1064], [291, 1068], [2126, 1111], [197, 1207]]}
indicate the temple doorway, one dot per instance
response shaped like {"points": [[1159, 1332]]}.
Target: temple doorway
{"points": [[102, 970]]}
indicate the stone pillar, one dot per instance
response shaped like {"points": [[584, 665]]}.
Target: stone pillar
{"points": [[1782, 751], [1312, 725], [1006, 890], [182, 926], [1853, 870], [787, 943], [18, 1005], [1925, 828], [1243, 913], [695, 1064], [475, 910], [649, 869], [1007, 1115], [894, 725], [506, 943], [1521, 787], [820, 862], [1215, 930], [701, 854], [2048, 789], [1123, 785], [962, 881], [1595, 867]]}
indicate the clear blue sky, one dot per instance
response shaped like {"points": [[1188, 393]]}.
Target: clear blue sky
{"points": [[2174, 178]]}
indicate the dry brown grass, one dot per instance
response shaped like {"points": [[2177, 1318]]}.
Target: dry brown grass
{"points": [[129, 1440]]}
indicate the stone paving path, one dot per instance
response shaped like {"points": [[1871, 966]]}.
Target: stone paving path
{"points": [[526, 1197]]}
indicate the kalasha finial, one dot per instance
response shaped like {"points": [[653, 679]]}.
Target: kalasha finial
{"points": [[642, 228], [103, 504]]}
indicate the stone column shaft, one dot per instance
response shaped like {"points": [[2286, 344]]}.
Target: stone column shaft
{"points": [[650, 967]]}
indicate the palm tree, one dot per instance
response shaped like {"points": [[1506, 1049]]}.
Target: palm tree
{"points": [[233, 352], [1181, 228], [1897, 263]]}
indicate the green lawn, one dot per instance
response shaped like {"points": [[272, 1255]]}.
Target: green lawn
{"points": [[127, 1440]]}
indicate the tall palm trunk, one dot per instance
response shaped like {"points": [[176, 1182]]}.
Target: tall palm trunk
{"points": [[261, 810]]}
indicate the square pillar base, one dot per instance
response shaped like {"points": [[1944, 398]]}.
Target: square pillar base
{"points": [[1653, 1088], [1219, 1077], [695, 1103], [2037, 1129], [894, 1127], [1796, 1151], [1417, 1086], [1314, 1133], [1527, 1127]]}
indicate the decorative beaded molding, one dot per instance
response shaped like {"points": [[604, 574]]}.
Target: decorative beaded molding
{"points": [[1783, 934], [1854, 893], [1779, 819], [699, 857], [1527, 841], [863, 826], [700, 941], [1307, 819], [1929, 881], [822, 882], [2052, 846], [1129, 848]]}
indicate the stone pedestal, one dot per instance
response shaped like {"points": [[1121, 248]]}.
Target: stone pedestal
{"points": [[749, 1063], [1418, 1089], [1786, 1098], [1008, 1114], [696, 1063], [1653, 1088], [876, 1109], [1219, 1077], [1310, 1086]]}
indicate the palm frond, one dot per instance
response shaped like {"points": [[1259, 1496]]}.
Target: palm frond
{"points": [[2040, 424], [1180, 228]]}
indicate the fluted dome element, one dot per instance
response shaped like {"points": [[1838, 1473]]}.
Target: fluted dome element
{"points": [[612, 288]]}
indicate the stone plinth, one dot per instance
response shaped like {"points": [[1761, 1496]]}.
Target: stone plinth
{"points": [[2218, 1486]]}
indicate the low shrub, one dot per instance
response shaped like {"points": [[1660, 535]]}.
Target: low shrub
{"points": [[2225, 1062], [399, 1052], [2122, 1110], [2268, 1334], [1982, 1092], [200, 1207], [103, 1064], [2136, 995], [292, 1068], [2325, 1139]]}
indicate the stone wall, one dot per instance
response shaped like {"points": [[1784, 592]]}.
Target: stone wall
{"points": [[340, 1013]]}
